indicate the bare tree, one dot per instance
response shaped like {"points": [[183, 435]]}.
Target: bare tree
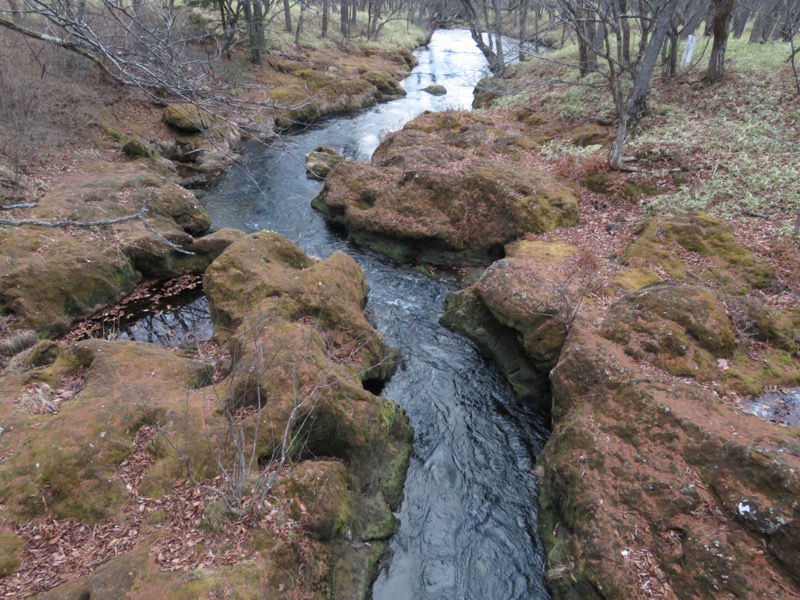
{"points": [[480, 24], [721, 27]]}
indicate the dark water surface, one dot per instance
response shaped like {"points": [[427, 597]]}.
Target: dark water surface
{"points": [[468, 519]]}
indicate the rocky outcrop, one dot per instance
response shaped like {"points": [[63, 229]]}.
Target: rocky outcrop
{"points": [[305, 90], [428, 196], [307, 317], [52, 276], [103, 434], [519, 311], [652, 478], [205, 143]]}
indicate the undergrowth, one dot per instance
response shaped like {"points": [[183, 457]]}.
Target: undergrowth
{"points": [[739, 139]]}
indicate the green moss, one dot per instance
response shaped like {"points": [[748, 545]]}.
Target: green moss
{"points": [[11, 548], [387, 85], [735, 267], [750, 375], [188, 117], [319, 498], [631, 280]]}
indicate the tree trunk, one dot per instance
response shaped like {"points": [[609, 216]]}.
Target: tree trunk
{"points": [[252, 33], [636, 101], [765, 22], [721, 26], [344, 13], [669, 57], [326, 16], [523, 34], [287, 17], [625, 30], [498, 39], [740, 18], [299, 31]]}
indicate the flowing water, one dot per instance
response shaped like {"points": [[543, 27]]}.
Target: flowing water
{"points": [[468, 518]]}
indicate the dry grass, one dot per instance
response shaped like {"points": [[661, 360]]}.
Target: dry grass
{"points": [[48, 97]]}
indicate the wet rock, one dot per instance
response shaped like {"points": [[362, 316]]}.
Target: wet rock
{"points": [[435, 90], [321, 161]]}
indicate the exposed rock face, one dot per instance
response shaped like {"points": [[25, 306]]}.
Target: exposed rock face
{"points": [[650, 481], [425, 197], [519, 311], [321, 161], [52, 276]]}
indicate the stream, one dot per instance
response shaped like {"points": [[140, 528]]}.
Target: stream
{"points": [[469, 515]]}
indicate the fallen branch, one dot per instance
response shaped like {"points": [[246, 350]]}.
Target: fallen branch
{"points": [[139, 216]]}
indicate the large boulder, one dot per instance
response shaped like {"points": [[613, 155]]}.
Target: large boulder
{"points": [[427, 198]]}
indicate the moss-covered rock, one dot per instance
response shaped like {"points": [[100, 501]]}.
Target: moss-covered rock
{"points": [[626, 475], [520, 313], [52, 276], [725, 262], [632, 280], [680, 328], [67, 462], [435, 90], [387, 85], [410, 206], [589, 135], [297, 323], [187, 117], [321, 161], [136, 147], [319, 498], [10, 553]]}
